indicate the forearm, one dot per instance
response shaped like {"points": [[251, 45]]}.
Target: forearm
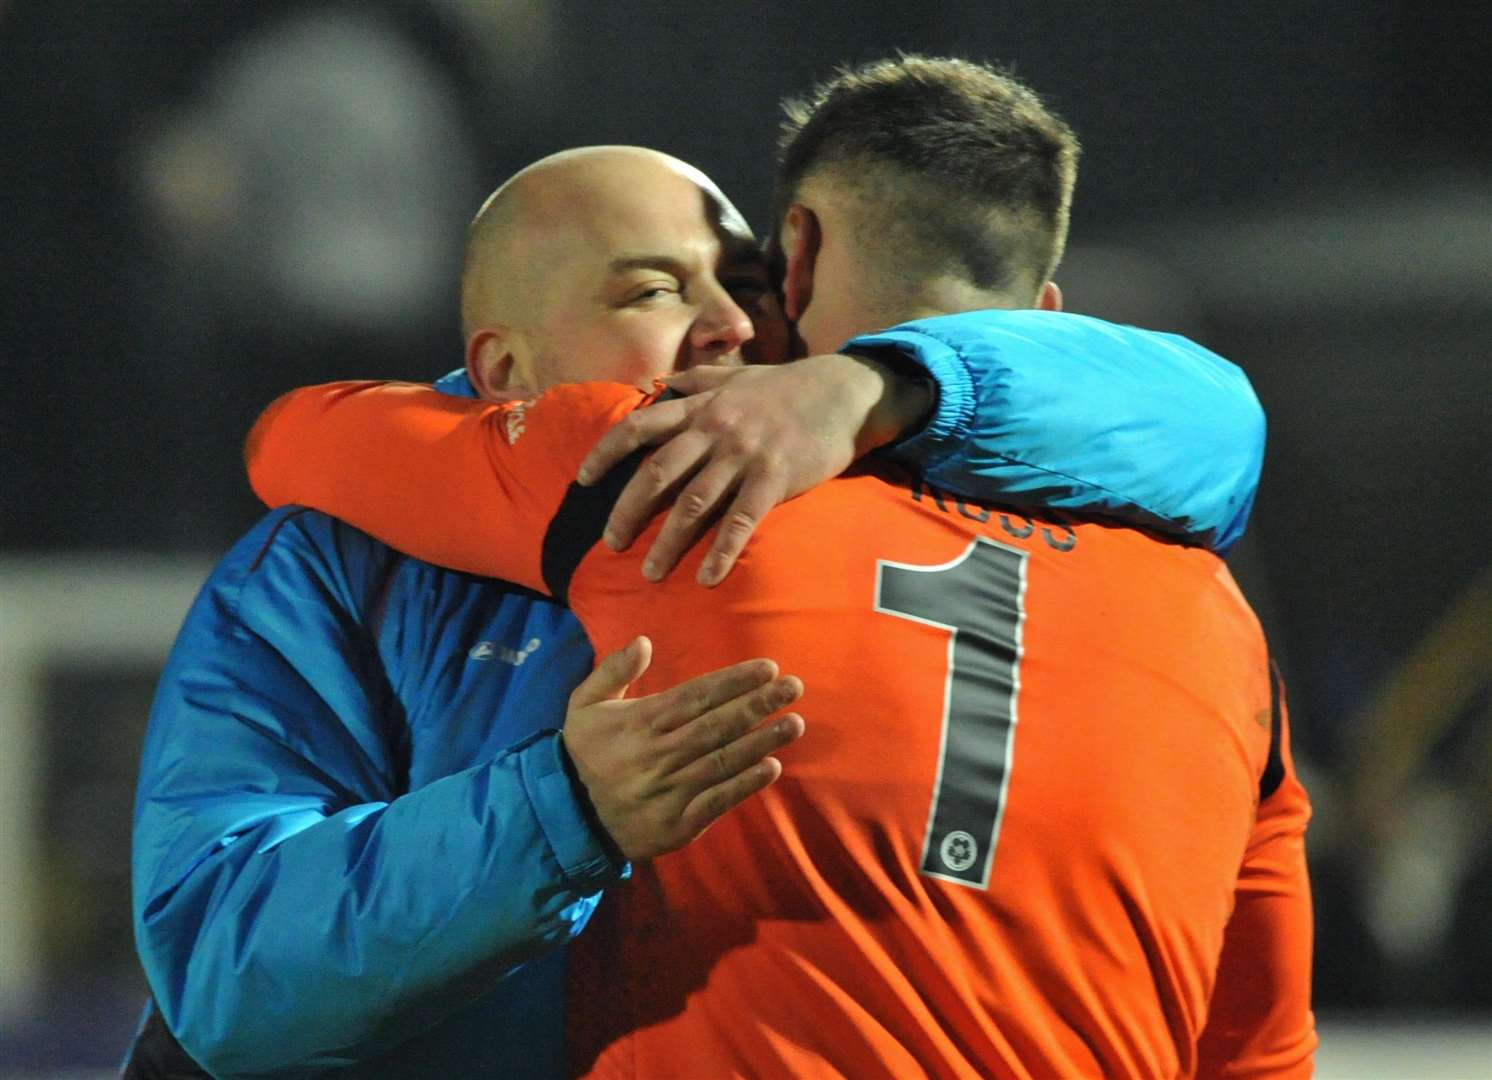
{"points": [[458, 483], [1259, 1021], [903, 398]]}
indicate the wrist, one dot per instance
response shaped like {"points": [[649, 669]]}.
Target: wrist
{"points": [[588, 807], [906, 399]]}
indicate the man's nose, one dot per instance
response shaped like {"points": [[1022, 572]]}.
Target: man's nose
{"points": [[722, 325]]}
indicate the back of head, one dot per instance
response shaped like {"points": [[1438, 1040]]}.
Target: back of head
{"points": [[951, 169]]}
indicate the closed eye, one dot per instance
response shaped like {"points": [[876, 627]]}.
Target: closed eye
{"points": [[653, 292]]}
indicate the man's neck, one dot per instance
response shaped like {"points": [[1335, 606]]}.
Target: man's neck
{"points": [[950, 296]]}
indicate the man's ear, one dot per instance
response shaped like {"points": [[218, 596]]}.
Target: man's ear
{"points": [[1050, 297], [489, 363], [801, 239]]}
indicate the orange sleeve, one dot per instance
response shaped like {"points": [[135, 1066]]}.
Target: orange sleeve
{"points": [[459, 483], [1260, 1022]]}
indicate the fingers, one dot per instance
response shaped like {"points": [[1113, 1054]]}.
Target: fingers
{"points": [[758, 495], [647, 426], [750, 749], [713, 803], [671, 709], [614, 674], [652, 486], [705, 808], [659, 769], [707, 738], [692, 512]]}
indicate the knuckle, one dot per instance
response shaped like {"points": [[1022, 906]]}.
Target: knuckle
{"points": [[744, 441], [719, 419], [771, 464], [707, 733], [721, 761], [698, 700], [673, 706], [738, 525], [691, 505], [775, 695], [654, 473]]}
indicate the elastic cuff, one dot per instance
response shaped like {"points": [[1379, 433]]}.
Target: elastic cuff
{"points": [[585, 853], [953, 415]]}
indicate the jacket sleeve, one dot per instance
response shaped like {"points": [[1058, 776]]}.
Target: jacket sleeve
{"points": [[293, 908], [1046, 409], [1259, 1022]]}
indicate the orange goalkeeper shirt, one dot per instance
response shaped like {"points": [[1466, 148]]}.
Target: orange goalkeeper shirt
{"points": [[1043, 823]]}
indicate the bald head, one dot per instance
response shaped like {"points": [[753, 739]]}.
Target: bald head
{"points": [[555, 206], [610, 262]]}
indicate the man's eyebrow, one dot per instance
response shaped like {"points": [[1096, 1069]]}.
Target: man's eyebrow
{"points": [[668, 264], [743, 256]]}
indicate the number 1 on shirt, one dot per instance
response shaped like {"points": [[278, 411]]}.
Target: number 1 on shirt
{"points": [[979, 598]]}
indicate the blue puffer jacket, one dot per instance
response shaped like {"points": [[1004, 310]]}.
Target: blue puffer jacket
{"points": [[356, 840]]}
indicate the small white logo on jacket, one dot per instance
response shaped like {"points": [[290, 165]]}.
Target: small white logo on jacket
{"points": [[485, 650], [513, 423]]}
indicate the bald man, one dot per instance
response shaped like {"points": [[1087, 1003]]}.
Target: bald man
{"points": [[361, 832], [408, 717]]}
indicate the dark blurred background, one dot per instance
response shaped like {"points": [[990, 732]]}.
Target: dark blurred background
{"points": [[205, 203]]}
